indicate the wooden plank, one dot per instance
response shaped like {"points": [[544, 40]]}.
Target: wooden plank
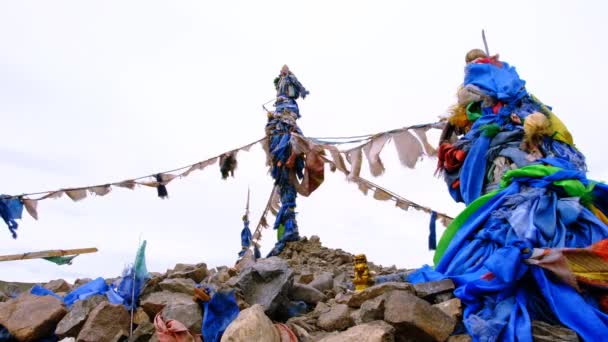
{"points": [[46, 254]]}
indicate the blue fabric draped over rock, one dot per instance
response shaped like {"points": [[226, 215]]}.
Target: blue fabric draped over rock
{"points": [[219, 312], [124, 291]]}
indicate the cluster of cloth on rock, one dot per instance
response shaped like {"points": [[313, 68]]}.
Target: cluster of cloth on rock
{"points": [[219, 307], [530, 244]]}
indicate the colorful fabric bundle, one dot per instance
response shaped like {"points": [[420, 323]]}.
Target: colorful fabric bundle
{"points": [[520, 197]]}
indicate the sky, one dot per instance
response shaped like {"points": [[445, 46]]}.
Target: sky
{"points": [[100, 91]]}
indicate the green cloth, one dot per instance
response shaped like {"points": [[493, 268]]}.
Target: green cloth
{"points": [[473, 111], [280, 232], [61, 260], [453, 228], [572, 187]]}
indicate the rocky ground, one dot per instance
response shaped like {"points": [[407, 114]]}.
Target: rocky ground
{"points": [[304, 294]]}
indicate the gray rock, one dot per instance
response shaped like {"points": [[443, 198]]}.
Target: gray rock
{"points": [[415, 319], [73, 322], [377, 331], [354, 300], [452, 308], [543, 332], [431, 289], [30, 317], [58, 286], [305, 293], [267, 283], [155, 302], [323, 282], [372, 310], [195, 272], [143, 333], [251, 325], [185, 286], [189, 315], [337, 318], [106, 323]]}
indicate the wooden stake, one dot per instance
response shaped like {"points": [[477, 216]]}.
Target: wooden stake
{"points": [[46, 254]]}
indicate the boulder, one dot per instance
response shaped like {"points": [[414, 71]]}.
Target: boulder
{"points": [[337, 318], [452, 308], [377, 331], [184, 271], [58, 286], [155, 302], [372, 310], [354, 300], [323, 282], [267, 283], [30, 317], [106, 323], [251, 325], [305, 293], [431, 289], [143, 333], [543, 332], [73, 322], [416, 319], [190, 315], [178, 285]]}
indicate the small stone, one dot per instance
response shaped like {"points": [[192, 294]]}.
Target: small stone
{"points": [[155, 302], [305, 293], [306, 278], [185, 286], [372, 310], [416, 319], [73, 322], [58, 285], [143, 333], [323, 282], [106, 323], [543, 332], [30, 317], [433, 288], [79, 282], [337, 318], [251, 325], [315, 240], [195, 272], [358, 298], [140, 317], [452, 308], [377, 331], [190, 315]]}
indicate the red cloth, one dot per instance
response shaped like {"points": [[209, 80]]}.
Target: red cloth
{"points": [[173, 331], [450, 158]]}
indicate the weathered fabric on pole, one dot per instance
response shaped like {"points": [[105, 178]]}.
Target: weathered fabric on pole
{"points": [[286, 163], [525, 186]]}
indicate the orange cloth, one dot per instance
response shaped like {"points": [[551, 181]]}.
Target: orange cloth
{"points": [[173, 331]]}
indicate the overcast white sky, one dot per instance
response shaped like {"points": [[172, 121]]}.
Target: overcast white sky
{"points": [[100, 91]]}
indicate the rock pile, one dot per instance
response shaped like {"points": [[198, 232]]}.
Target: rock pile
{"points": [[305, 294]]}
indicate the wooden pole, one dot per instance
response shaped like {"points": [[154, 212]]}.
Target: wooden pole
{"points": [[46, 254]]}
